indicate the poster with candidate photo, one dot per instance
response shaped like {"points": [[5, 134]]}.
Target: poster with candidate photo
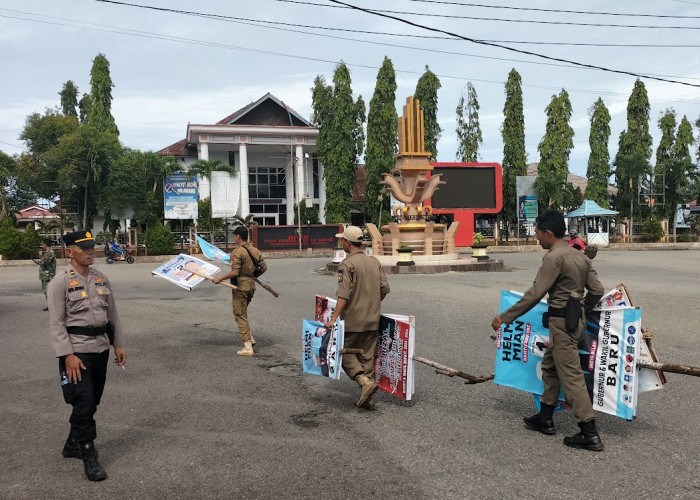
{"points": [[321, 348]]}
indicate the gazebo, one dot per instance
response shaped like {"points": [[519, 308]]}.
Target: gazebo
{"points": [[596, 222]]}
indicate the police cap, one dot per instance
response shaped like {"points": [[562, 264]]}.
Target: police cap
{"points": [[83, 239]]}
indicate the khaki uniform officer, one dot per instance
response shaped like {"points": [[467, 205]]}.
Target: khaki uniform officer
{"points": [[362, 285], [242, 269], [565, 273], [82, 318]]}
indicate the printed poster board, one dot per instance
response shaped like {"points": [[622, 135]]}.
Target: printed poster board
{"points": [[394, 366]]}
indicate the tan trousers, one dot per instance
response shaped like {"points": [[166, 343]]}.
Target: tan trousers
{"points": [[561, 367], [355, 364], [239, 304]]}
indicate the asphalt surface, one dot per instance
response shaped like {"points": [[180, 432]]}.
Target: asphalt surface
{"points": [[189, 419]]}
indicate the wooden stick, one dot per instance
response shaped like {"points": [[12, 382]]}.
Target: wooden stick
{"points": [[665, 367], [266, 287], [206, 276], [451, 372]]}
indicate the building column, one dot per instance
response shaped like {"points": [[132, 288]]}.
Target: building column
{"points": [[321, 194], [204, 185], [243, 161], [289, 191], [301, 187]]}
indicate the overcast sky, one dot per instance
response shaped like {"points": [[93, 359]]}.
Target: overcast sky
{"points": [[172, 68]]}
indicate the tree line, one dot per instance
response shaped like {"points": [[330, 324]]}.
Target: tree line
{"points": [[75, 158]]}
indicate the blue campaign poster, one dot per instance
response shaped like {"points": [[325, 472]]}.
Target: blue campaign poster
{"points": [[520, 347], [321, 348]]}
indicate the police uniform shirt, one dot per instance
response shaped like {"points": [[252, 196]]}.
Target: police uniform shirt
{"points": [[76, 300], [243, 265], [564, 271], [362, 282]]}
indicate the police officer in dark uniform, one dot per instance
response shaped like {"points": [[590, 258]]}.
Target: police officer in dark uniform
{"points": [[564, 275], [83, 323]]}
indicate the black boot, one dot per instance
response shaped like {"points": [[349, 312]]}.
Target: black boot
{"points": [[71, 449], [93, 468], [587, 439], [542, 421]]}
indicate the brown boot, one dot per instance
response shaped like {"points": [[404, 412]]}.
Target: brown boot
{"points": [[369, 387], [247, 350]]}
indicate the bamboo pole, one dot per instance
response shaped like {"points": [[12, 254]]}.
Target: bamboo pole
{"points": [[206, 276], [669, 368], [451, 372]]}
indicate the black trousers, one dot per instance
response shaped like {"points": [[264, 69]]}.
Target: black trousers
{"points": [[85, 395]]}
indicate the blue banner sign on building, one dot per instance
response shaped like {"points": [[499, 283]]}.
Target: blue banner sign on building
{"points": [[180, 196]]}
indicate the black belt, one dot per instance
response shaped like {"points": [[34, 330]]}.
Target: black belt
{"points": [[87, 330], [555, 312]]}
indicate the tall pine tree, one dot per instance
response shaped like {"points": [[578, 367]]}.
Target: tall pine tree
{"points": [[664, 155], [555, 148], [633, 153], [340, 140], [100, 115], [599, 159], [426, 92], [382, 134], [468, 130], [514, 155], [69, 99]]}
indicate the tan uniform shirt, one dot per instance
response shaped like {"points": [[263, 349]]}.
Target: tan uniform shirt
{"points": [[243, 265], [564, 271], [362, 282], [75, 300]]}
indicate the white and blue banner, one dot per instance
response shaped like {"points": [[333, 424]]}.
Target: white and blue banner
{"points": [[180, 197], [212, 252], [320, 353], [615, 379]]}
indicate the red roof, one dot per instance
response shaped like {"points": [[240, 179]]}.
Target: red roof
{"points": [[35, 212], [177, 149]]}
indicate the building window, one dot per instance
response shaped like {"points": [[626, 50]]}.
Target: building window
{"points": [[267, 182], [231, 159]]}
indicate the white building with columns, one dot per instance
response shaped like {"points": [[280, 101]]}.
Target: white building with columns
{"points": [[272, 149]]}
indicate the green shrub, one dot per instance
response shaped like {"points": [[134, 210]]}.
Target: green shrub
{"points": [[29, 243], [159, 240], [10, 239], [652, 230]]}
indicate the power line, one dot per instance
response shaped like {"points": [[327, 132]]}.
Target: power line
{"points": [[473, 18], [533, 9], [472, 40], [222, 17], [159, 36], [265, 22]]}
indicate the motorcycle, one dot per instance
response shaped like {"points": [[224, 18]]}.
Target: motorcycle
{"points": [[111, 256]]}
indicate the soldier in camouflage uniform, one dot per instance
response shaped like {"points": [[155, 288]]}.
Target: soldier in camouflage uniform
{"points": [[47, 266]]}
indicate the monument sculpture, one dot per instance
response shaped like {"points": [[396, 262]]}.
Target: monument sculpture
{"points": [[413, 228]]}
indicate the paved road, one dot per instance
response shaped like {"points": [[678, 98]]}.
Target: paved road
{"points": [[188, 419]]}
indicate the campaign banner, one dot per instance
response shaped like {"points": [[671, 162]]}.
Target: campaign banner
{"points": [[225, 192], [615, 386], [520, 348], [321, 348], [180, 197], [394, 365], [181, 270], [212, 252]]}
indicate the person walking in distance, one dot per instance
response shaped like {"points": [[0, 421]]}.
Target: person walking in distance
{"points": [[47, 267], [564, 275], [83, 322], [244, 259], [362, 285]]}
